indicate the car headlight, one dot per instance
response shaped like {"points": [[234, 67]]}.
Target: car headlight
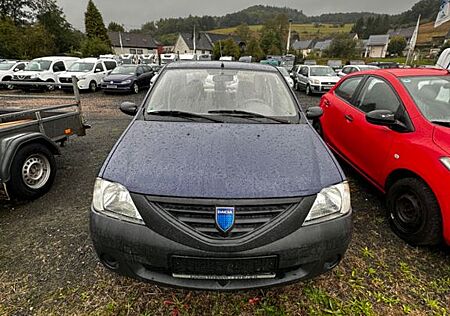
{"points": [[114, 200], [315, 81], [126, 81], [81, 77], [331, 202], [446, 162]]}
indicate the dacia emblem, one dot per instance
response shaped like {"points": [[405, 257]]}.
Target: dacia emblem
{"points": [[224, 219]]}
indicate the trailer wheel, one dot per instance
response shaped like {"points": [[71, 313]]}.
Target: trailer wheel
{"points": [[32, 172]]}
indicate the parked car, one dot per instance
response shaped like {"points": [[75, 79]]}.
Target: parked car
{"points": [[205, 57], [349, 69], [188, 57], [8, 68], [246, 59], [286, 76], [226, 58], [336, 64], [45, 69], [128, 78], [444, 59], [89, 71], [393, 126], [220, 190], [316, 79], [168, 58], [385, 64]]}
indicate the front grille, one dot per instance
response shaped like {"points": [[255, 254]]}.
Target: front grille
{"points": [[328, 83], [194, 266], [65, 80], [22, 77], [201, 218]]}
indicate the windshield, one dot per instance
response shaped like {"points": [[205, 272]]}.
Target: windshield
{"points": [[38, 65], [431, 95], [322, 71], [81, 67], [124, 70], [6, 66], [202, 91], [283, 71]]}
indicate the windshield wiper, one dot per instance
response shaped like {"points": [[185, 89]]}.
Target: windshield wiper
{"points": [[442, 123], [182, 114], [246, 114]]}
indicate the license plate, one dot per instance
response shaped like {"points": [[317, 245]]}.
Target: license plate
{"points": [[111, 86]]}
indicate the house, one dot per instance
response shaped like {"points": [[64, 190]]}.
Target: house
{"points": [[321, 46], [354, 36], [377, 46], [303, 47], [406, 33], [132, 43], [204, 42]]}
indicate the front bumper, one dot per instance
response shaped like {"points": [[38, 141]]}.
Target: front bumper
{"points": [[116, 87], [137, 251], [321, 88]]}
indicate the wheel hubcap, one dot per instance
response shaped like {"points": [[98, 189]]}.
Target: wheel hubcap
{"points": [[36, 171], [408, 215], [136, 88]]}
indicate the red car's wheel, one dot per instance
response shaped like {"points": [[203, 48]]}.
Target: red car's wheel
{"points": [[414, 213]]}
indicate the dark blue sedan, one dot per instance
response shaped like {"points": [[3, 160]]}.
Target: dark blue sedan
{"points": [[128, 78], [220, 183]]}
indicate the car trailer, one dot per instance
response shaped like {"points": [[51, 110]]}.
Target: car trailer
{"points": [[29, 140]]}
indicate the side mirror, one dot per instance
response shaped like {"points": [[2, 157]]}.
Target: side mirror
{"points": [[98, 70], [129, 108], [381, 117], [314, 113], [16, 69]]}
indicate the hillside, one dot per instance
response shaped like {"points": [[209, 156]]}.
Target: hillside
{"points": [[306, 31], [427, 31]]}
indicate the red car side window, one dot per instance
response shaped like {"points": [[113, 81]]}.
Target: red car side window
{"points": [[348, 88]]}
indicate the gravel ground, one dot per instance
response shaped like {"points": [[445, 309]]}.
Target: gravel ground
{"points": [[48, 266]]}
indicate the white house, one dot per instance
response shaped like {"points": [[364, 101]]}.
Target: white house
{"points": [[377, 46]]}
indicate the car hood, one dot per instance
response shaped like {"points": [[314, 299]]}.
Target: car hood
{"points": [[441, 137], [208, 160], [29, 73], [326, 78], [118, 77]]}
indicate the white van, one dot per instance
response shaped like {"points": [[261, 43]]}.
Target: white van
{"points": [[187, 57], [45, 69], [444, 59], [89, 72], [168, 58], [226, 58]]}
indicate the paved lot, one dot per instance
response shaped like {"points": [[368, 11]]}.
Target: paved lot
{"points": [[47, 264]]}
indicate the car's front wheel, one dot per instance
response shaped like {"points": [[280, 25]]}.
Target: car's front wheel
{"points": [[414, 213], [92, 86]]}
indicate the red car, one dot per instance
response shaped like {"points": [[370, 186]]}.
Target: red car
{"points": [[393, 126]]}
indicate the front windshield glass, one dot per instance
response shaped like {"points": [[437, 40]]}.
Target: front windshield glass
{"points": [[201, 91], [431, 95], [6, 66], [124, 70], [81, 67], [322, 71], [38, 65]]}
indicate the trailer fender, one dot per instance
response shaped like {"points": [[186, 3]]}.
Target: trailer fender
{"points": [[12, 143]]}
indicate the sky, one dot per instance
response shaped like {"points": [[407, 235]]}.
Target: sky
{"points": [[134, 13]]}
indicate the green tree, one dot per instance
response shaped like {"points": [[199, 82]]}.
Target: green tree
{"points": [[10, 39], [254, 49], [52, 18], [342, 46], [93, 47], [93, 20], [39, 42], [397, 45], [243, 32], [227, 47], [115, 27]]}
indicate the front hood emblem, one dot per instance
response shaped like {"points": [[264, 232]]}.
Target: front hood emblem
{"points": [[224, 218]]}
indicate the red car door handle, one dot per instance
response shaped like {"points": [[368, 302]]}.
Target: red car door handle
{"points": [[349, 118]]}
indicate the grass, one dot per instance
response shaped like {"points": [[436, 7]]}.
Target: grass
{"points": [[306, 31], [427, 31]]}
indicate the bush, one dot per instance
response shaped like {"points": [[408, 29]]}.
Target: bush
{"points": [[94, 47]]}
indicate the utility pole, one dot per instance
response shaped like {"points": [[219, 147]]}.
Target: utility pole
{"points": [[288, 47]]}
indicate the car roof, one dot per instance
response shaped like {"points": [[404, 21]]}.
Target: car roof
{"points": [[88, 60], [53, 58], [218, 64], [409, 72]]}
